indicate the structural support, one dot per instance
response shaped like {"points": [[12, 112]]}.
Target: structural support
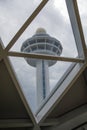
{"points": [[60, 92], [77, 27], [12, 123], [2, 52], [46, 57], [70, 120]]}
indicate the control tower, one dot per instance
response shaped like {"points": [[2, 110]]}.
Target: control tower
{"points": [[42, 43]]}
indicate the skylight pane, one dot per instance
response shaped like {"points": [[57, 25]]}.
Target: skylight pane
{"points": [[50, 33], [55, 20], [27, 79], [13, 13], [32, 81]]}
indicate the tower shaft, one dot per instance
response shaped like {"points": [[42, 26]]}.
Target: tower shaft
{"points": [[42, 43], [42, 80]]}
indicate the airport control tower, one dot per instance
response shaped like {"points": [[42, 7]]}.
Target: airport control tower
{"points": [[42, 43]]}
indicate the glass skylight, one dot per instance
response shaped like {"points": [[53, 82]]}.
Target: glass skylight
{"points": [[26, 76], [54, 20]]}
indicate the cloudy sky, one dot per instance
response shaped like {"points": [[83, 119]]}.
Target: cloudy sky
{"points": [[54, 18]]}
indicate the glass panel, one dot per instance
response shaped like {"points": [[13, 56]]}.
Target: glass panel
{"points": [[13, 14], [34, 48], [83, 14], [56, 26], [27, 79], [41, 46], [55, 49], [56, 72], [41, 40], [38, 78]]}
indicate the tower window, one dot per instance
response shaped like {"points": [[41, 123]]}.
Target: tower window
{"points": [[40, 40], [41, 46]]}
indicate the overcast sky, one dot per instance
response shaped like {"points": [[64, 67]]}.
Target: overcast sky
{"points": [[54, 18]]}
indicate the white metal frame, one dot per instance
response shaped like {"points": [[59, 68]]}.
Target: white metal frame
{"points": [[77, 27], [60, 92]]}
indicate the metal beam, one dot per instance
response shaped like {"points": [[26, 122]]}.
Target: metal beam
{"points": [[69, 120], [47, 57], [7, 123], [2, 52], [26, 24], [60, 92], [50, 122], [77, 27]]}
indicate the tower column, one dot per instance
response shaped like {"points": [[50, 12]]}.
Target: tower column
{"points": [[42, 43], [42, 80]]}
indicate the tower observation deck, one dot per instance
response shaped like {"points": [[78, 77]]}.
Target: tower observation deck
{"points": [[42, 43]]}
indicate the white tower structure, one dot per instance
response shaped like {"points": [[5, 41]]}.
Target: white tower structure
{"points": [[42, 43]]}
